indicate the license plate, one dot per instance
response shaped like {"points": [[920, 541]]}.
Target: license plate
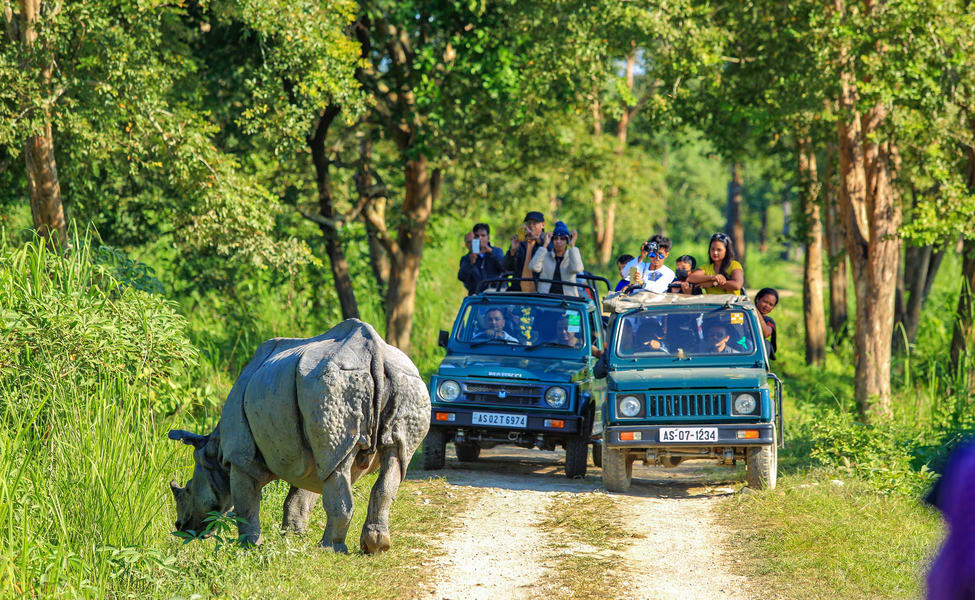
{"points": [[689, 434], [499, 420]]}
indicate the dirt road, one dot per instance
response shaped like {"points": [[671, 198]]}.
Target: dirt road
{"points": [[673, 547]]}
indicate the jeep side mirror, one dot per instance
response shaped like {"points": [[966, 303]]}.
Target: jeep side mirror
{"points": [[443, 339]]}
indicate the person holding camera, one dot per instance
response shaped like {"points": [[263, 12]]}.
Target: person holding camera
{"points": [[520, 252], [482, 261], [562, 263], [648, 271]]}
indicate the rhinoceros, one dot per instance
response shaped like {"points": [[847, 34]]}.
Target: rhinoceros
{"points": [[318, 413]]}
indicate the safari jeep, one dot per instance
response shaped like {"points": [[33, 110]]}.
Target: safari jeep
{"points": [[518, 371], [687, 377]]}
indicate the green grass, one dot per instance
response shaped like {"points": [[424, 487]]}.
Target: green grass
{"points": [[811, 538], [586, 532]]}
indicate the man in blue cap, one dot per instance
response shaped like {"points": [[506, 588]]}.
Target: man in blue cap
{"points": [[514, 261]]}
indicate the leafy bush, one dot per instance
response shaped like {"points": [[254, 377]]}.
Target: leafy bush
{"points": [[73, 320], [883, 455]]}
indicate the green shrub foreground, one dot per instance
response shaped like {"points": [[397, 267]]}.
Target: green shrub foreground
{"points": [[87, 354]]}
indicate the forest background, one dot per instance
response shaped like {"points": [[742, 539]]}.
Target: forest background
{"points": [[205, 175]]}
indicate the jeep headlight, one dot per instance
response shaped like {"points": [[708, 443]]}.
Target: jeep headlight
{"points": [[630, 406], [556, 396], [745, 404], [448, 390]]}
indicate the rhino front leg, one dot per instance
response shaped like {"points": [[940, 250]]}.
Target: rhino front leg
{"points": [[337, 500], [245, 492], [297, 509], [375, 531]]}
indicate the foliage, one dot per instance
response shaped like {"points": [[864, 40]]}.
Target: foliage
{"points": [[130, 132], [878, 454], [84, 317]]}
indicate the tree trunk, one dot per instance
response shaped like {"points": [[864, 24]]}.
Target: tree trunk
{"points": [[763, 232], [333, 244], [786, 225], [422, 189], [43, 185], [603, 212], [376, 207], [963, 338], [921, 264], [734, 226], [871, 214], [812, 283], [835, 250]]}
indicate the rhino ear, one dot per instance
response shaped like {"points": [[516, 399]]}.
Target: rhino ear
{"points": [[174, 487], [192, 439]]}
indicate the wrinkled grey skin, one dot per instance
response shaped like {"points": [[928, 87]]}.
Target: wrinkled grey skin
{"points": [[318, 413]]}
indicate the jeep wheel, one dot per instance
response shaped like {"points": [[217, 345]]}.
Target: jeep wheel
{"points": [[576, 457], [762, 466], [617, 469], [434, 449], [597, 454], [672, 461], [467, 451]]}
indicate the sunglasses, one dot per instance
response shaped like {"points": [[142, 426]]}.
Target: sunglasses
{"points": [[656, 255], [720, 236]]}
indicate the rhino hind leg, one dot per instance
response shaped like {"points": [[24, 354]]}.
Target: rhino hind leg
{"points": [[337, 500], [375, 531], [245, 492], [297, 509]]}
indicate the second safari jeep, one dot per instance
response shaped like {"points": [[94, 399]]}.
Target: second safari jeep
{"points": [[687, 377], [518, 371]]}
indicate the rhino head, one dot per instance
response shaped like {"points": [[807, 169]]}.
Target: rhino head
{"points": [[209, 488]]}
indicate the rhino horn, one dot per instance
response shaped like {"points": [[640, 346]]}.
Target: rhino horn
{"points": [[192, 439]]}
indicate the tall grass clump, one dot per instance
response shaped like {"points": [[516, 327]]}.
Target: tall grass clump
{"points": [[89, 357]]}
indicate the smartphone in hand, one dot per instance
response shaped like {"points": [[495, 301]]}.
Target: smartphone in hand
{"points": [[476, 245]]}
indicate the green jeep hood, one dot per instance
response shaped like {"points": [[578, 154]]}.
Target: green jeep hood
{"points": [[687, 378], [514, 367]]}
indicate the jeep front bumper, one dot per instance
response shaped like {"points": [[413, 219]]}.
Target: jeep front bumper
{"points": [[457, 417], [648, 436]]}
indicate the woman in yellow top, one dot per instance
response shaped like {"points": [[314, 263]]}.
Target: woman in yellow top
{"points": [[723, 274]]}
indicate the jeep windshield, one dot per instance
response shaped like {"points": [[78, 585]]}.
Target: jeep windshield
{"points": [[685, 333], [514, 323]]}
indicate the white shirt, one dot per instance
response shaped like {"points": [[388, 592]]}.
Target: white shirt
{"points": [[654, 280]]}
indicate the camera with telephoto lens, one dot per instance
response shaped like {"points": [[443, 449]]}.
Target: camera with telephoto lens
{"points": [[649, 247]]}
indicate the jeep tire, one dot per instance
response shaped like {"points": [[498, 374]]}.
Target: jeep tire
{"points": [[597, 453], [762, 466], [434, 449], [617, 469], [576, 457], [467, 451]]}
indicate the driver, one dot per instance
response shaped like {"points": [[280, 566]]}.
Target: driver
{"points": [[494, 323], [717, 338]]}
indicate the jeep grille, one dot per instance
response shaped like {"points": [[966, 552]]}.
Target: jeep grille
{"points": [[687, 405], [491, 393]]}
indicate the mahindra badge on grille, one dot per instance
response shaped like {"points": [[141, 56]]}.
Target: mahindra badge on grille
{"points": [[502, 394]]}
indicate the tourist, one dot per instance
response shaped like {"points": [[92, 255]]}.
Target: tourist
{"points": [[723, 274], [685, 264], [649, 271], [562, 263], [515, 262], [765, 301], [482, 262], [621, 262]]}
